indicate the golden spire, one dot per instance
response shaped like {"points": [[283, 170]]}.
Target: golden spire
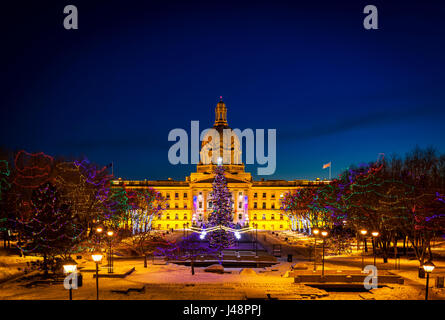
{"points": [[220, 114]]}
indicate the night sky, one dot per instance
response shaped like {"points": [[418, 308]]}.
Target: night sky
{"points": [[134, 70]]}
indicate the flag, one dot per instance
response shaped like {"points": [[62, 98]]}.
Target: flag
{"points": [[327, 165]]}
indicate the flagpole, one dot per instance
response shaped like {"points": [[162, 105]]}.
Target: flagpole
{"points": [[330, 165], [112, 168]]}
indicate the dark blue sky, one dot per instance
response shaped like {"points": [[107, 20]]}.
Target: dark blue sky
{"points": [[134, 70]]}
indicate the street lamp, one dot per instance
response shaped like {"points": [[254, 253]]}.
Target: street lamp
{"points": [[256, 240], [110, 253], [374, 234], [428, 267], [315, 232], [363, 233], [324, 234], [99, 232], [97, 258], [69, 268]]}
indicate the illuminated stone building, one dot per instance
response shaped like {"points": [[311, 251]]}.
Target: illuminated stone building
{"points": [[189, 202]]}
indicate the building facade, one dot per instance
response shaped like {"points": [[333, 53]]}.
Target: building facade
{"points": [[189, 202]]}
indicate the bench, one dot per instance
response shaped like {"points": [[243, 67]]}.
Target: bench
{"points": [[140, 290]]}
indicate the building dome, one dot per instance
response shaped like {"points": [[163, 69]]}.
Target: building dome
{"points": [[222, 138]]}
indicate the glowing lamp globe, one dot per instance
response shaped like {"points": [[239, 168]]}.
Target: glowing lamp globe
{"points": [[237, 235], [428, 267], [324, 233], [375, 234], [97, 257], [99, 230], [69, 268], [315, 232], [363, 232], [110, 233]]}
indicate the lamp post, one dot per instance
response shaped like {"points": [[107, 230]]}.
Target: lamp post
{"points": [[99, 232], [428, 267], [363, 233], [110, 253], [315, 232], [324, 234], [374, 234], [70, 267], [256, 240], [97, 258]]}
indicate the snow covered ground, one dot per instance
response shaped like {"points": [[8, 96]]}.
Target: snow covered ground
{"points": [[176, 282], [12, 266], [172, 281]]}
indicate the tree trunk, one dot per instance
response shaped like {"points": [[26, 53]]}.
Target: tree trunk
{"points": [[192, 264], [395, 247], [404, 245], [430, 253], [385, 251], [45, 265]]}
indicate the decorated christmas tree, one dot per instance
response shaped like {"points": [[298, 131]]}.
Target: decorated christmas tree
{"points": [[222, 212]]}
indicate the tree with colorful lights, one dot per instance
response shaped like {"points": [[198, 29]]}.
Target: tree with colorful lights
{"points": [[371, 204], [296, 206], [221, 214], [143, 205], [88, 186], [53, 229], [424, 214]]}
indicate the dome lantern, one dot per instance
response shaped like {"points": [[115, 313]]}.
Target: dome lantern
{"points": [[220, 114]]}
